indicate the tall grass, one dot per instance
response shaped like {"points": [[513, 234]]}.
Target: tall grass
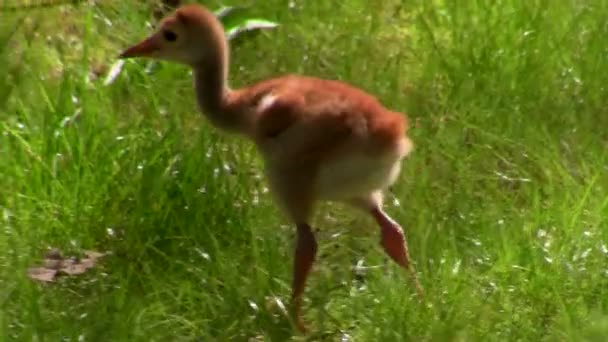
{"points": [[504, 199]]}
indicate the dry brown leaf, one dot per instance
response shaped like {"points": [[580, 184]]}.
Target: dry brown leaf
{"points": [[88, 263], [73, 269], [55, 264], [42, 274]]}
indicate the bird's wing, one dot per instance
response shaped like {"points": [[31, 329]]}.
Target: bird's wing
{"points": [[312, 119]]}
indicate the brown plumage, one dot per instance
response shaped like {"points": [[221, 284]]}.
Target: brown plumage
{"points": [[321, 140]]}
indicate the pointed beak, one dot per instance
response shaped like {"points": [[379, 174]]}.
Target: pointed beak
{"points": [[145, 48]]}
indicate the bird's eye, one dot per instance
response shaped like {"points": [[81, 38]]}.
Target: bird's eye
{"points": [[169, 35]]}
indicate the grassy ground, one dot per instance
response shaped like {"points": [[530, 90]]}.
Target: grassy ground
{"points": [[504, 200]]}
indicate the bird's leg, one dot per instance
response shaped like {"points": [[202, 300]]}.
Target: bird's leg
{"points": [[292, 188], [394, 242], [306, 250], [392, 238]]}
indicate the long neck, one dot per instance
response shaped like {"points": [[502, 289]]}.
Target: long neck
{"points": [[213, 94]]}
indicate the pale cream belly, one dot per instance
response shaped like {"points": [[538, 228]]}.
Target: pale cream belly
{"points": [[346, 176], [356, 176]]}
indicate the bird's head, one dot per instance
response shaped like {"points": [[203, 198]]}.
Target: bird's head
{"points": [[191, 35]]}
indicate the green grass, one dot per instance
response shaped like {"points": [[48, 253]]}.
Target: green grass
{"points": [[505, 199]]}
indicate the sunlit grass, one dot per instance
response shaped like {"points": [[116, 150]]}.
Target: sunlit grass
{"points": [[504, 199]]}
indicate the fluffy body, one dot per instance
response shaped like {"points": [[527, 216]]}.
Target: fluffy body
{"points": [[321, 140]]}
